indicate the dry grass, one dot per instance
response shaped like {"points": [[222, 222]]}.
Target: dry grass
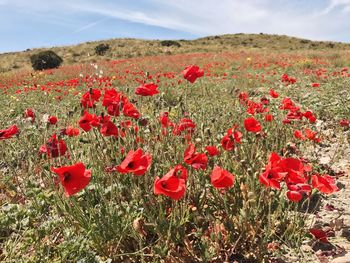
{"points": [[128, 48]]}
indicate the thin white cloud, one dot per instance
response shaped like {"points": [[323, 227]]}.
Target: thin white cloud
{"points": [[210, 17]]}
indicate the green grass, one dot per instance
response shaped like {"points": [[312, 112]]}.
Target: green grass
{"points": [[108, 219]]}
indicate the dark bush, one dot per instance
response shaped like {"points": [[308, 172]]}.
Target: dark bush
{"points": [[45, 60], [169, 43], [101, 49]]}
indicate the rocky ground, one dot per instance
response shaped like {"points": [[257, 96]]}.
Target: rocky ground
{"points": [[333, 213]]}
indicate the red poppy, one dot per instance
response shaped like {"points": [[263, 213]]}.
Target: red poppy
{"points": [[252, 125], [273, 93], [130, 110], [301, 188], [88, 120], [312, 135], [147, 89], [324, 183], [298, 134], [294, 169], [232, 136], [54, 147], [268, 117], [196, 160], [212, 150], [89, 98], [294, 196], [164, 120], [315, 85], [265, 101], [184, 125], [310, 116], [71, 131], [112, 100], [273, 174], [181, 172], [135, 162], [243, 97], [74, 178], [221, 178], [319, 234], [9, 132], [29, 114], [344, 123], [170, 185], [192, 72], [52, 120], [108, 128]]}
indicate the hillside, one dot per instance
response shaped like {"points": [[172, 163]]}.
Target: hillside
{"points": [[127, 48]]}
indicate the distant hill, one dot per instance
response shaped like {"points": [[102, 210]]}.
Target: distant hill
{"points": [[128, 48]]}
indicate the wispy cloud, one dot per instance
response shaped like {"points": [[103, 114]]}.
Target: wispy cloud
{"points": [[319, 19]]}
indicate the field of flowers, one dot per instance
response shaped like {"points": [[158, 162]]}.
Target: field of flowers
{"points": [[206, 157]]}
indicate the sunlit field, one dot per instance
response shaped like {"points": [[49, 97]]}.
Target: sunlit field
{"points": [[199, 157]]}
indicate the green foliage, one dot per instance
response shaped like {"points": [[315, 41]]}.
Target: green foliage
{"points": [[45, 60], [170, 43], [101, 49]]}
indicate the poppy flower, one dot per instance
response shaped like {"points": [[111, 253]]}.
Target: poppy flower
{"points": [[74, 178], [196, 160], [273, 94], [89, 98], [243, 97], [181, 172], [294, 196], [29, 114], [108, 128], [312, 135], [212, 150], [149, 89], [135, 162], [310, 116], [319, 234], [265, 101], [273, 174], [184, 125], [221, 178], [130, 110], [298, 134], [192, 72], [315, 85], [88, 120], [232, 136], [344, 123], [170, 185], [111, 96], [252, 125], [54, 147], [164, 120], [268, 117], [294, 169], [71, 131], [52, 120], [9, 132], [301, 188], [324, 183]]}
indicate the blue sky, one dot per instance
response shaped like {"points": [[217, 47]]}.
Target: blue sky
{"points": [[44, 23]]}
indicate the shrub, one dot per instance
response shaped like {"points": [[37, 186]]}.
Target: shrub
{"points": [[169, 43], [45, 60], [101, 49]]}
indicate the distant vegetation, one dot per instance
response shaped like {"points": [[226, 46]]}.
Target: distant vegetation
{"points": [[101, 49], [169, 43], [128, 48], [45, 60]]}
